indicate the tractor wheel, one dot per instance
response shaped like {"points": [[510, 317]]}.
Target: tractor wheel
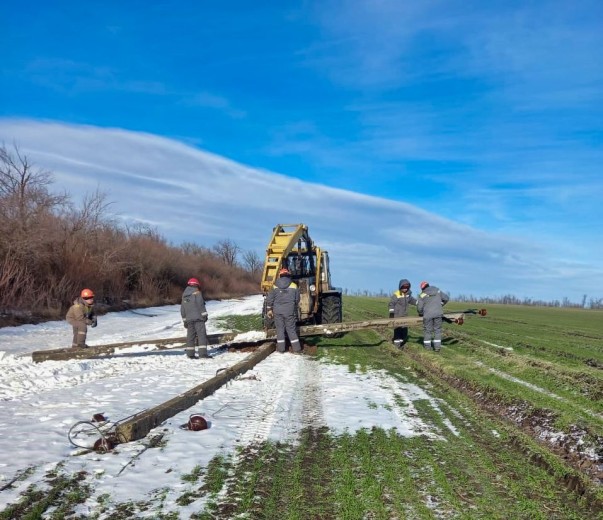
{"points": [[331, 311]]}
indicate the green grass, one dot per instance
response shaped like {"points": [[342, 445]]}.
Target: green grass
{"points": [[477, 463]]}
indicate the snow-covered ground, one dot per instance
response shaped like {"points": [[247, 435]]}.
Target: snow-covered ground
{"points": [[41, 402]]}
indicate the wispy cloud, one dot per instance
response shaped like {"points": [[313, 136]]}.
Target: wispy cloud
{"points": [[192, 195]]}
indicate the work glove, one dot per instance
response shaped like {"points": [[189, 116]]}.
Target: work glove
{"points": [[391, 314], [204, 317], [270, 314], [185, 323], [94, 322]]}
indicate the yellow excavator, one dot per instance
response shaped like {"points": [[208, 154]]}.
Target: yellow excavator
{"points": [[291, 247]]}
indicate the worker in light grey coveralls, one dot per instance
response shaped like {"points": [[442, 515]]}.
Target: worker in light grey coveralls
{"points": [[281, 305], [194, 315], [429, 305], [399, 304]]}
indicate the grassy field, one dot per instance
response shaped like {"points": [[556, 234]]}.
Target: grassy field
{"points": [[522, 388], [520, 430]]}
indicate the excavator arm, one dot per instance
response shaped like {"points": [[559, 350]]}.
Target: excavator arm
{"points": [[285, 237]]}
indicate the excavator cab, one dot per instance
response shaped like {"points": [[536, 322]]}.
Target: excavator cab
{"points": [[291, 247]]}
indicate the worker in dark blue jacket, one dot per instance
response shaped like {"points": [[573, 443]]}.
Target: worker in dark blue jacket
{"points": [[399, 305]]}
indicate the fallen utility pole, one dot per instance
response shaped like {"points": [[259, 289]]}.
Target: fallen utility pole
{"points": [[328, 329], [141, 424], [62, 354]]}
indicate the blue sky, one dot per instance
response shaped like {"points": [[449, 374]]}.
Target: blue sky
{"points": [[469, 133]]}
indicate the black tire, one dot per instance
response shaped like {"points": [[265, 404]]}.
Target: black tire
{"points": [[331, 311]]}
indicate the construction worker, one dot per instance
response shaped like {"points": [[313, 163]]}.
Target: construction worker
{"points": [[399, 304], [281, 305], [80, 315], [194, 316], [429, 305]]}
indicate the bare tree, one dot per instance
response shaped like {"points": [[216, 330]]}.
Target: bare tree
{"points": [[252, 262], [227, 251], [26, 204], [24, 189], [190, 248]]}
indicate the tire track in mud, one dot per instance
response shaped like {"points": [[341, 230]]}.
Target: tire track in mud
{"points": [[586, 475]]}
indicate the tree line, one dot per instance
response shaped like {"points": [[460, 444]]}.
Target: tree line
{"points": [[507, 299], [51, 248]]}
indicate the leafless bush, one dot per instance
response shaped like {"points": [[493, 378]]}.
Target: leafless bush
{"points": [[50, 249]]}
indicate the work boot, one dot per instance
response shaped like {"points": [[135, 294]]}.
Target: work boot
{"points": [[398, 343], [427, 345], [190, 353], [203, 353]]}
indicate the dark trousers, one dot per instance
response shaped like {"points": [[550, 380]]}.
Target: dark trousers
{"points": [[401, 334], [286, 326], [196, 335]]}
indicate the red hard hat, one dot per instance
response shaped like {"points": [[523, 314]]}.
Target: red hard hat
{"points": [[424, 284], [283, 271], [197, 423], [193, 281], [87, 293]]}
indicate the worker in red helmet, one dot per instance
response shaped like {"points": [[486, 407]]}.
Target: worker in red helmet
{"points": [[80, 315], [282, 304], [430, 305], [399, 304], [194, 316]]}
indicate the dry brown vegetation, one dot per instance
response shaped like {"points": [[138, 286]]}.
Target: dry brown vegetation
{"points": [[51, 248]]}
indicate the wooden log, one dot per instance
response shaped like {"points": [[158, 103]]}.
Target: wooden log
{"points": [[334, 328], [227, 338], [141, 424], [97, 351]]}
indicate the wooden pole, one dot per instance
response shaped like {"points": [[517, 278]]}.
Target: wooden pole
{"points": [[141, 424]]}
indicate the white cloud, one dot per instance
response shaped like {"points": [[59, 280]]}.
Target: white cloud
{"points": [[192, 195]]}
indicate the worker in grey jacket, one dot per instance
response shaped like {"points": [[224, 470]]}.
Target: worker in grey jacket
{"points": [[194, 316], [429, 305], [281, 305], [399, 304]]}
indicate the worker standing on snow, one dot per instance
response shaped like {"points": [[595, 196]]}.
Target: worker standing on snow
{"points": [[429, 304], [80, 315], [281, 305], [194, 316], [399, 304]]}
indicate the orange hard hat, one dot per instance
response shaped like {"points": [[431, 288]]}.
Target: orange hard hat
{"points": [[87, 293], [283, 271]]}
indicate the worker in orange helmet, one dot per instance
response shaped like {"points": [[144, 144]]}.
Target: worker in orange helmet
{"points": [[429, 305], [194, 315], [282, 304], [80, 315]]}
